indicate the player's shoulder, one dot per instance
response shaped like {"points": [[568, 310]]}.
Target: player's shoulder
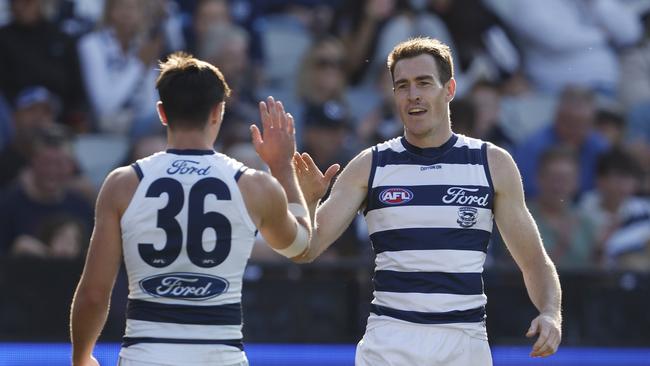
{"points": [[120, 185], [498, 157], [257, 182], [470, 142], [502, 166]]}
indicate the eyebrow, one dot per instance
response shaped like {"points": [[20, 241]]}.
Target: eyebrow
{"points": [[417, 78]]}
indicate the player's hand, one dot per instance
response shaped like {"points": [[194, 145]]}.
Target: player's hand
{"points": [[550, 334], [91, 361], [313, 183], [276, 144]]}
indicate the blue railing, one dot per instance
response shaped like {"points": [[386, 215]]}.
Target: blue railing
{"points": [[58, 354]]}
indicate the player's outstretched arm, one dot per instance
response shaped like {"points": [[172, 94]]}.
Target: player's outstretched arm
{"points": [[282, 216], [347, 197], [522, 238], [91, 299]]}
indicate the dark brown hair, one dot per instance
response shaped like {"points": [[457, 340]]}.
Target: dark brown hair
{"points": [[189, 88], [414, 47]]}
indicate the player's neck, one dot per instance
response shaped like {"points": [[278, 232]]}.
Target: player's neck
{"points": [[431, 139], [183, 140]]}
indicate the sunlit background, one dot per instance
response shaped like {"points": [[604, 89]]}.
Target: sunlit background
{"points": [[563, 85]]}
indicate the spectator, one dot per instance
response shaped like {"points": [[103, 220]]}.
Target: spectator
{"points": [[41, 216], [325, 138], [610, 123], [35, 108], [321, 78], [567, 235], [143, 147], [572, 128], [36, 52], [479, 36], [635, 96], [486, 98], [208, 14], [381, 123], [118, 61], [622, 220], [226, 46], [463, 116], [570, 42]]}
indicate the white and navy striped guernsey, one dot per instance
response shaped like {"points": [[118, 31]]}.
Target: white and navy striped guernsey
{"points": [[429, 215], [186, 238]]}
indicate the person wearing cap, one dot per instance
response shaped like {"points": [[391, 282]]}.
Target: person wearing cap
{"points": [[326, 137], [326, 130], [34, 109], [36, 52]]}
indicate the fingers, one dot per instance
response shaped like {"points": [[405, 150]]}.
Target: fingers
{"points": [[549, 337], [273, 112], [281, 114], [533, 328], [265, 115], [274, 116], [331, 172], [309, 161], [291, 126], [256, 137], [541, 342], [300, 164]]}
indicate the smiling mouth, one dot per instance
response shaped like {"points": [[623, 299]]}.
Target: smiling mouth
{"points": [[417, 111]]}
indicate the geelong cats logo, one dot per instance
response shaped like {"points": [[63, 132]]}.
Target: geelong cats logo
{"points": [[467, 216]]}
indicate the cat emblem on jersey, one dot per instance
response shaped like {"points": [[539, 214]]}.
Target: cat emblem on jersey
{"points": [[467, 216]]}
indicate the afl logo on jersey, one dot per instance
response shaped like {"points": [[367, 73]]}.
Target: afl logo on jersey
{"points": [[395, 196], [467, 216], [188, 286]]}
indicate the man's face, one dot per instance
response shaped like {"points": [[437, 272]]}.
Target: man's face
{"points": [[33, 117], [26, 12], [558, 180], [574, 121], [616, 187], [53, 168], [422, 101]]}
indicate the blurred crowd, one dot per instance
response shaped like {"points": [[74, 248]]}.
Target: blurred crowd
{"points": [[564, 85]]}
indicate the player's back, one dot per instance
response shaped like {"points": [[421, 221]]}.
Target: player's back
{"points": [[187, 237]]}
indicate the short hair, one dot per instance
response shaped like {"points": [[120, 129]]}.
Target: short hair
{"points": [[618, 161], [189, 88], [414, 47], [556, 153]]}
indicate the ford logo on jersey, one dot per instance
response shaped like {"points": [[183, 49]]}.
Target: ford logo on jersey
{"points": [[188, 286], [395, 196]]}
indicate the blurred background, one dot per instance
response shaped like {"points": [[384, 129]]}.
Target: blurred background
{"points": [[564, 85]]}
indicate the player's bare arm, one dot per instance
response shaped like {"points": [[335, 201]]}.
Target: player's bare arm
{"points": [[276, 202], [91, 299], [347, 197], [522, 238]]}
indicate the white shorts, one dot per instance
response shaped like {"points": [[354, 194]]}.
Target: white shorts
{"points": [[159, 354], [397, 343], [124, 362]]}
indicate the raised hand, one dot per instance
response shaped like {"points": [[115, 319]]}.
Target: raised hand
{"points": [[276, 144], [550, 335], [313, 182]]}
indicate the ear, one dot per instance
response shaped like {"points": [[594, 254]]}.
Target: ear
{"points": [[161, 113], [451, 89], [216, 114]]}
